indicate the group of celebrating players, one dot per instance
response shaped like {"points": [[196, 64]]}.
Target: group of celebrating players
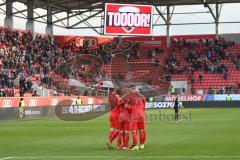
{"points": [[127, 116]]}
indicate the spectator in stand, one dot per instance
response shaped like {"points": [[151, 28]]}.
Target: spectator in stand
{"points": [[209, 55], [225, 76], [29, 85], [154, 53], [210, 91], [128, 56], [206, 68], [211, 68], [237, 88], [238, 85], [168, 78], [34, 93], [138, 53], [191, 78], [200, 77], [236, 63], [231, 89], [222, 90], [228, 89], [22, 91], [183, 90], [192, 90], [232, 57]]}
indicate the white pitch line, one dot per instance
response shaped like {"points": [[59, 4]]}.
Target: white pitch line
{"points": [[4, 158], [117, 157]]}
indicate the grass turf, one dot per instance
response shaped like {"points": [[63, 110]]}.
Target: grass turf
{"points": [[213, 134]]}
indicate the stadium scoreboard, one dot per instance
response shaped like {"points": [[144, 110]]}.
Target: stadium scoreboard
{"points": [[128, 19]]}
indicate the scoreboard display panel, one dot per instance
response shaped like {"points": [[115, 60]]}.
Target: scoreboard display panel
{"points": [[128, 19]]}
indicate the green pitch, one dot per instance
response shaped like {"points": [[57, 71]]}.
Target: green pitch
{"points": [[213, 134]]}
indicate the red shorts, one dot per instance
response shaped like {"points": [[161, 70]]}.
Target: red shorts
{"points": [[114, 120], [125, 126], [141, 125], [138, 122], [124, 121]]}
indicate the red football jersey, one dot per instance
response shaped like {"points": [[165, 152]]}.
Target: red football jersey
{"points": [[114, 101], [143, 103]]}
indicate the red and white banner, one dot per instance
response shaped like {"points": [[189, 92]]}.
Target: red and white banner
{"points": [[46, 101], [128, 19]]}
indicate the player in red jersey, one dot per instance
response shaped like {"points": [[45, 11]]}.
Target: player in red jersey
{"points": [[137, 118], [124, 121], [114, 100], [142, 123], [129, 118], [124, 126]]}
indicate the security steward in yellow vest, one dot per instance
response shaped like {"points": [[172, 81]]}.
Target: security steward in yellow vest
{"points": [[78, 101], [228, 98], [21, 108], [172, 90], [151, 99]]}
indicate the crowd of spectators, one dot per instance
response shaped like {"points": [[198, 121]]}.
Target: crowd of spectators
{"points": [[235, 60], [15, 63], [203, 55], [103, 52], [22, 56], [229, 89], [200, 56]]}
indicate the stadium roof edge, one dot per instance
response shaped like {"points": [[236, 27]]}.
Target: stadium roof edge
{"points": [[69, 5], [78, 14]]}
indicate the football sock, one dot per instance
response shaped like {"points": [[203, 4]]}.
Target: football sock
{"points": [[110, 135], [142, 137], [135, 139], [114, 135], [126, 139], [120, 135]]}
